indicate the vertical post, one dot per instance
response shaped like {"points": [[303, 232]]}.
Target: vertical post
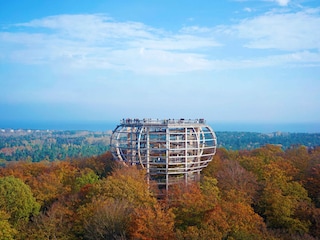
{"points": [[197, 131], [167, 156], [148, 152], [186, 155]]}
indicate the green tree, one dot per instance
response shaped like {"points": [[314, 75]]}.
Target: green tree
{"points": [[281, 198], [128, 183], [17, 200], [87, 176], [7, 232], [255, 160]]}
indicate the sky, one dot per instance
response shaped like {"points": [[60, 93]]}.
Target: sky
{"points": [[228, 61]]}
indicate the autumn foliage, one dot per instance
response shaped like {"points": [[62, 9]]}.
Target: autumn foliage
{"points": [[266, 193]]}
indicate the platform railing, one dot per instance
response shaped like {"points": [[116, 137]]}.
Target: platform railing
{"points": [[161, 121]]}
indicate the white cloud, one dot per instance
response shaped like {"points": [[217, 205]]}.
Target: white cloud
{"points": [[247, 9], [98, 41], [282, 2], [95, 27], [284, 31], [103, 31]]}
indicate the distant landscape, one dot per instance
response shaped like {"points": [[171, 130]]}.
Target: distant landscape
{"points": [[253, 140], [51, 145], [38, 145], [108, 125]]}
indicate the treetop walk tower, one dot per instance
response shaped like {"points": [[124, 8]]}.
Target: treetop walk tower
{"points": [[171, 151]]}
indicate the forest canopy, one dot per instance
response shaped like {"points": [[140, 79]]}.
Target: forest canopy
{"points": [[264, 193]]}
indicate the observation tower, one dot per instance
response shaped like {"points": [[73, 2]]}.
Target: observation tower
{"points": [[172, 151]]}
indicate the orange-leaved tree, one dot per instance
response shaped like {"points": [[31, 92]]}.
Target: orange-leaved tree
{"points": [[152, 222]]}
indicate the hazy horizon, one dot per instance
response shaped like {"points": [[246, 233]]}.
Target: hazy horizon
{"points": [[111, 125]]}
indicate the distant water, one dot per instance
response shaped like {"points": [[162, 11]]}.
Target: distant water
{"points": [[110, 125], [267, 127]]}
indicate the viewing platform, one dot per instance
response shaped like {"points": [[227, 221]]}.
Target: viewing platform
{"points": [[150, 121]]}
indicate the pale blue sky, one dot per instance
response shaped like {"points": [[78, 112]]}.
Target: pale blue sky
{"points": [[225, 61]]}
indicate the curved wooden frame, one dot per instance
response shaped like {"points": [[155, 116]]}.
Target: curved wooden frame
{"points": [[171, 150]]}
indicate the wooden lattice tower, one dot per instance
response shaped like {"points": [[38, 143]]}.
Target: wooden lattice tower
{"points": [[171, 151]]}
